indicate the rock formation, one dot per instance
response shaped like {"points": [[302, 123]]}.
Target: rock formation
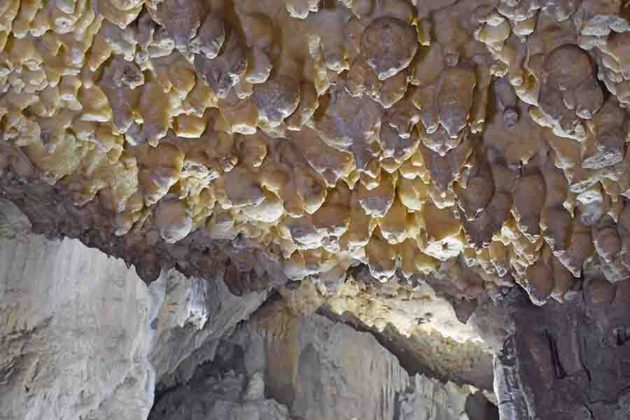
{"points": [[436, 174], [84, 337], [310, 370]]}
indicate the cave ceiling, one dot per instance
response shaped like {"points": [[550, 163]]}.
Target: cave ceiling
{"points": [[480, 141]]}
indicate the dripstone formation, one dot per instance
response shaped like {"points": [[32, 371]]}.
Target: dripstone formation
{"points": [[446, 175]]}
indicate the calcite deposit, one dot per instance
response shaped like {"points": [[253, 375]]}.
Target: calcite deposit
{"points": [[317, 136], [374, 150]]}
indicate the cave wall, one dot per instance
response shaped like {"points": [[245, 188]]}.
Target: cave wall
{"points": [[74, 333], [568, 361], [310, 368], [83, 337], [451, 152]]}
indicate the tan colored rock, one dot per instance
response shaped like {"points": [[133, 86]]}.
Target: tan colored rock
{"points": [[388, 45], [377, 201], [277, 98], [413, 193], [381, 258], [224, 71], [173, 220], [324, 137], [444, 233], [529, 199]]}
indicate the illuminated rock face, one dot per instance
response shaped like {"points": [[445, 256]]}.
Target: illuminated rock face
{"points": [[83, 337], [75, 333], [314, 137], [312, 368]]}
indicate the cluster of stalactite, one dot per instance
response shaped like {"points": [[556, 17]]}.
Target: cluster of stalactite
{"points": [[397, 134]]}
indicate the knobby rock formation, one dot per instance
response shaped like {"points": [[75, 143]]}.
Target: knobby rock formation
{"points": [[349, 156]]}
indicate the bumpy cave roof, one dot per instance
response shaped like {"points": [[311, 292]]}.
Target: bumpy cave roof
{"points": [[483, 140]]}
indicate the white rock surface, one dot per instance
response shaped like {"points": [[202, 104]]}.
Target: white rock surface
{"points": [[194, 313], [318, 369], [81, 336], [73, 333], [340, 373], [427, 399], [420, 310]]}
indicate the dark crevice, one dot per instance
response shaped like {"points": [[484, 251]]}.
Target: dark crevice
{"points": [[582, 362], [222, 362], [622, 335], [478, 407], [590, 412], [555, 357]]}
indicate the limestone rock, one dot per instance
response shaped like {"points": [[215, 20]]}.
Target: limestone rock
{"points": [[207, 122], [13, 222], [83, 336], [477, 147], [567, 360], [312, 368], [75, 333]]}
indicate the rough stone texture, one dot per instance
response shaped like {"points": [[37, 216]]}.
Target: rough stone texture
{"points": [[436, 356], [194, 312], [224, 395], [409, 309], [197, 255], [74, 334], [568, 361], [475, 147], [316, 369], [12, 221], [412, 321], [426, 399], [83, 336], [297, 138]]}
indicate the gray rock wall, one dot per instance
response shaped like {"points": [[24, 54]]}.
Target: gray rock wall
{"points": [[313, 368], [568, 361], [74, 336], [81, 336]]}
